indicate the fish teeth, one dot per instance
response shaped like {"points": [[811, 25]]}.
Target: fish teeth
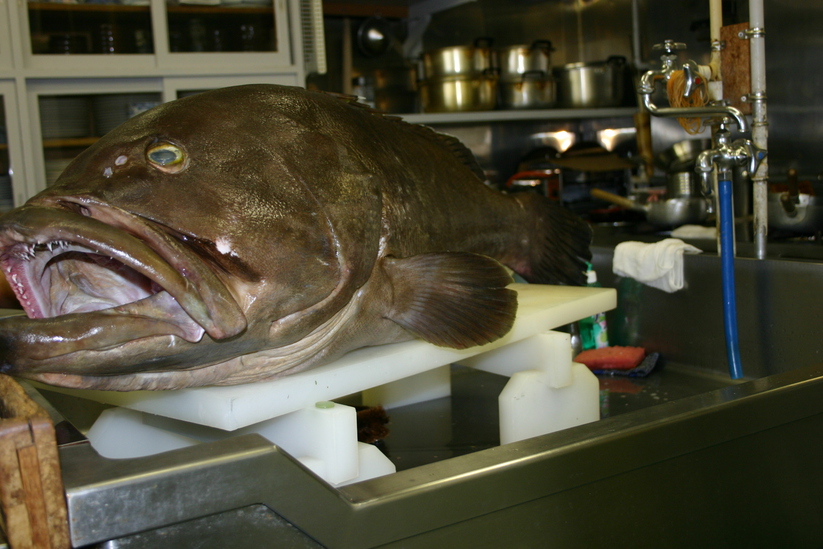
{"points": [[20, 289], [56, 244], [29, 252]]}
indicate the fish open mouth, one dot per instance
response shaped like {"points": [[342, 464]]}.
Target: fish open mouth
{"points": [[60, 278], [94, 276]]}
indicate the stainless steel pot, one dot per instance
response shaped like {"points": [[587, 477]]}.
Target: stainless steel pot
{"points": [[682, 155], [804, 217], [794, 211], [460, 60], [669, 212], [516, 61], [532, 90], [592, 85], [458, 93], [395, 90], [682, 185]]}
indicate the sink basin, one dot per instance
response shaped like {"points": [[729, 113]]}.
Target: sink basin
{"points": [[680, 457]]}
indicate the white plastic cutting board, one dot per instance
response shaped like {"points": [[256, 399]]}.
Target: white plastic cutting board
{"points": [[540, 308]]}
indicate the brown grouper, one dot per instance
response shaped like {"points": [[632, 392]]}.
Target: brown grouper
{"points": [[250, 232]]}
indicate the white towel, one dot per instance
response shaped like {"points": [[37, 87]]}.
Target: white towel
{"points": [[660, 265], [695, 231]]}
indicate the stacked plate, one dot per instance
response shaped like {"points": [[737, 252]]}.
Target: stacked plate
{"points": [[6, 195], [54, 168], [63, 117], [112, 110]]}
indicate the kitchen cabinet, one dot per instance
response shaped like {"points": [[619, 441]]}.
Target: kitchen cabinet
{"points": [[12, 186], [69, 71]]}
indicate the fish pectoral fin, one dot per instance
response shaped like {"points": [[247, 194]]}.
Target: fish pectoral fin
{"points": [[456, 300]]}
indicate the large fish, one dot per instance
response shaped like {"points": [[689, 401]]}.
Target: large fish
{"points": [[249, 232]]}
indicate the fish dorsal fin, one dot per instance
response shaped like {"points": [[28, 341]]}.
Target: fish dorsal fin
{"points": [[448, 142], [455, 146], [451, 299]]}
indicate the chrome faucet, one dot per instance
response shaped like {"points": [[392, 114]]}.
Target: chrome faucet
{"points": [[727, 155], [693, 80]]}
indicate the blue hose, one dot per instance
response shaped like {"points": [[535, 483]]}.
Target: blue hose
{"points": [[727, 265]]}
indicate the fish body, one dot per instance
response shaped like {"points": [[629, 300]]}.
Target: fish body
{"points": [[249, 232]]}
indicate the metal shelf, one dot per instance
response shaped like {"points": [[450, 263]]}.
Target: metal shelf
{"points": [[513, 115]]}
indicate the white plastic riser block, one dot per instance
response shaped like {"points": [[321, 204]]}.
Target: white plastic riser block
{"points": [[418, 388], [531, 407], [122, 433], [549, 393], [550, 351], [322, 437]]}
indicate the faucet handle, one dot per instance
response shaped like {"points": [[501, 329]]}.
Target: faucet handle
{"points": [[693, 78], [749, 155], [670, 46]]}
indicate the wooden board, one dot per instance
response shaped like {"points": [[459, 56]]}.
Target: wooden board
{"points": [[31, 486], [735, 66]]}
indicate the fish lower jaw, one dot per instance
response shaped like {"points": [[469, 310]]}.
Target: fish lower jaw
{"points": [[59, 278]]}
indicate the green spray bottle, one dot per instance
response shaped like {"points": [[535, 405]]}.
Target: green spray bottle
{"points": [[594, 333]]}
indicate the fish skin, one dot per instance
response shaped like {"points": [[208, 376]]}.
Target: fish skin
{"points": [[297, 226]]}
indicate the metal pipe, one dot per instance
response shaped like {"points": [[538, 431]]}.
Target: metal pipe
{"points": [[715, 86], [760, 132], [688, 112], [346, 53], [637, 54], [646, 89]]}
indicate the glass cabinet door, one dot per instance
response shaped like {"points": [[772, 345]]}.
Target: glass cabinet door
{"points": [[6, 189], [71, 123], [98, 27], [221, 26]]}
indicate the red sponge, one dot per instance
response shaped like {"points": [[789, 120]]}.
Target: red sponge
{"points": [[612, 358]]}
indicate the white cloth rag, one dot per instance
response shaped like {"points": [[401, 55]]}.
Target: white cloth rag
{"points": [[695, 231], [659, 265]]}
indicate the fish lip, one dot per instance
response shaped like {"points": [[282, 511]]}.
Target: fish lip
{"points": [[107, 230]]}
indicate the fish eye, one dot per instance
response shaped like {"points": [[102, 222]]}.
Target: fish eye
{"points": [[167, 157]]}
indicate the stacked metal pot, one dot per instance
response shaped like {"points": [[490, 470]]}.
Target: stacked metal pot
{"points": [[459, 78], [479, 77], [592, 85], [526, 80]]}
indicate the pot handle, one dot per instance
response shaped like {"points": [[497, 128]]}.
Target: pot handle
{"points": [[483, 42], [618, 60], [542, 45], [533, 74], [616, 199]]}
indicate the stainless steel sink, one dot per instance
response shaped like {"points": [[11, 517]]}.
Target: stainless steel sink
{"points": [[682, 458], [733, 467]]}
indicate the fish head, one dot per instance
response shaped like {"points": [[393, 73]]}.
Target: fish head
{"points": [[198, 231]]}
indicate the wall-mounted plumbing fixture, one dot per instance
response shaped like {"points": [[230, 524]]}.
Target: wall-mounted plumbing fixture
{"points": [[695, 76], [724, 156], [722, 159]]}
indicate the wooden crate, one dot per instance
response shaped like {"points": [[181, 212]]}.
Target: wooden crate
{"points": [[31, 487]]}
